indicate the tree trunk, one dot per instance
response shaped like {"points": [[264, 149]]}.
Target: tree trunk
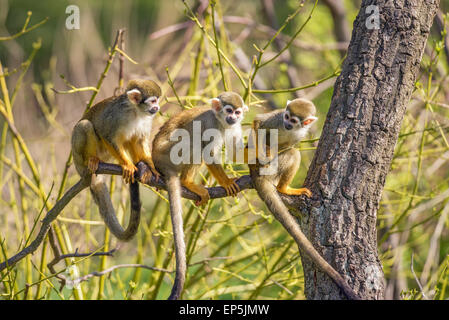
{"points": [[353, 157]]}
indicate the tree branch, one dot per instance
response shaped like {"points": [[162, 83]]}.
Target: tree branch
{"points": [[244, 183]]}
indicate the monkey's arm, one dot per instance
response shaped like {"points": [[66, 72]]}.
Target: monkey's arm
{"points": [[223, 180]]}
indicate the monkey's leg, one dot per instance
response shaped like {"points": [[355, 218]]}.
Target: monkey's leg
{"points": [[296, 192], [117, 150], [140, 151], [223, 180], [85, 144], [286, 178], [187, 180]]}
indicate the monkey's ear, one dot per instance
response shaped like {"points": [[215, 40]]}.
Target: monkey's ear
{"points": [[216, 104], [309, 120], [288, 102], [245, 108], [134, 95]]}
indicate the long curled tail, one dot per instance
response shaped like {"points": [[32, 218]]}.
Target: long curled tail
{"points": [[268, 193], [100, 193], [174, 194]]}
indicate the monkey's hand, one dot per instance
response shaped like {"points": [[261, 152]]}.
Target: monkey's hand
{"points": [[231, 187], [223, 180], [296, 192], [128, 172], [92, 164]]}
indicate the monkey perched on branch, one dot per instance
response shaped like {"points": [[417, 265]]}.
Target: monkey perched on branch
{"points": [[117, 128], [226, 114]]}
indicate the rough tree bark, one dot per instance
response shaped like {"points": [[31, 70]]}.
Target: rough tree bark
{"points": [[353, 157]]}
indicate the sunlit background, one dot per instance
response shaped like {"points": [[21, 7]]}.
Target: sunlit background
{"points": [[235, 249]]}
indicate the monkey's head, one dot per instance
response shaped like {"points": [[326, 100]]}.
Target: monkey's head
{"points": [[229, 107], [144, 94], [299, 113]]}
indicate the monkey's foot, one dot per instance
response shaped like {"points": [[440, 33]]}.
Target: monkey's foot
{"points": [[146, 176], [296, 192], [199, 190], [92, 164], [153, 171], [231, 187], [204, 198], [128, 172]]}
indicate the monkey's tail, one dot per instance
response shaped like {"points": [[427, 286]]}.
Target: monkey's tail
{"points": [[268, 193], [100, 193], [174, 195]]}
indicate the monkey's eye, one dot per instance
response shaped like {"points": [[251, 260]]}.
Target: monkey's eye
{"points": [[229, 110], [237, 112], [153, 100], [294, 120], [286, 116]]}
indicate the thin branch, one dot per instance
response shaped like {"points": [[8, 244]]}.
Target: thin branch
{"points": [[292, 39], [243, 182], [132, 265], [228, 61], [313, 84], [49, 218], [416, 279], [220, 64], [60, 257], [292, 74], [75, 90], [172, 86], [260, 27], [440, 23], [24, 28]]}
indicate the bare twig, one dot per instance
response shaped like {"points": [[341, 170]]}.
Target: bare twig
{"points": [[60, 257], [259, 27], [416, 279], [49, 218], [25, 28], [292, 74], [132, 265], [440, 24]]}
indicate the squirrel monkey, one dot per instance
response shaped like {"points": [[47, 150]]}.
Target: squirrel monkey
{"points": [[225, 116], [117, 128], [292, 125]]}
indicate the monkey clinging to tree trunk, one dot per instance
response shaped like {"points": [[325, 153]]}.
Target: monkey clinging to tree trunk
{"points": [[292, 125]]}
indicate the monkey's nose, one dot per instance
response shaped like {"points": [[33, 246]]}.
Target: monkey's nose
{"points": [[154, 109], [288, 126], [230, 120]]}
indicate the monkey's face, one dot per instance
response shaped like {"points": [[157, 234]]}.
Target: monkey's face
{"points": [[295, 122], [144, 103], [229, 108], [232, 115], [299, 114], [291, 121], [151, 104]]}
